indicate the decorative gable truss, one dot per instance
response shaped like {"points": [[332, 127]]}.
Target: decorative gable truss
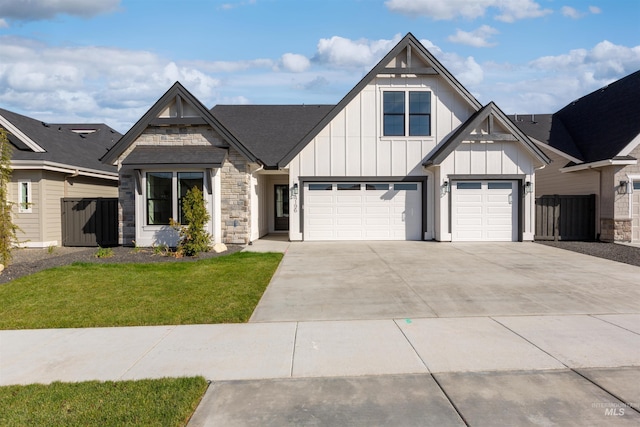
{"points": [[487, 125]]}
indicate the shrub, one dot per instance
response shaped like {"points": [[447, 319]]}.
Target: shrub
{"points": [[193, 236], [104, 253], [8, 229]]}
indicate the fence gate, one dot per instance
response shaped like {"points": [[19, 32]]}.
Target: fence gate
{"points": [[561, 217], [90, 222]]}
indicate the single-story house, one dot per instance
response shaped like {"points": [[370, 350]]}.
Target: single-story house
{"points": [[407, 154], [50, 162], [594, 143]]}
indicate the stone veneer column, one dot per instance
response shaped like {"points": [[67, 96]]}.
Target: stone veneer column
{"points": [[235, 202], [127, 208]]}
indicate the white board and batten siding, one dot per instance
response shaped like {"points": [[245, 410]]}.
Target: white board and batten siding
{"points": [[352, 145]]}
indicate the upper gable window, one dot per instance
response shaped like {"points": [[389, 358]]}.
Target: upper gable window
{"points": [[396, 121]]}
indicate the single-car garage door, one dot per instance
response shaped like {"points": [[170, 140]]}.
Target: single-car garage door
{"points": [[363, 211], [484, 211]]}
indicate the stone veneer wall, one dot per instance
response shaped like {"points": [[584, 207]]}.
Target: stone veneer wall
{"points": [[622, 222], [126, 208], [615, 230], [235, 201]]}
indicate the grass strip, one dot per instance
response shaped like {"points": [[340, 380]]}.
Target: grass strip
{"points": [[162, 402], [216, 290]]}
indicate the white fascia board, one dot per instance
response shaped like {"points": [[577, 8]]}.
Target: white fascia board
{"points": [[62, 168], [555, 150], [600, 164], [630, 146], [19, 134]]}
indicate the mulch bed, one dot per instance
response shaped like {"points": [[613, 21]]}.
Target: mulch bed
{"points": [[29, 261]]}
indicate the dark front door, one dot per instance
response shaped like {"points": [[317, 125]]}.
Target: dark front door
{"points": [[282, 207]]}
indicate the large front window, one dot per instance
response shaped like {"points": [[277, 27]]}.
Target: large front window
{"points": [[165, 191], [396, 121]]}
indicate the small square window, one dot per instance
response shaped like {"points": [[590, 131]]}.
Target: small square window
{"points": [[320, 187], [405, 186], [499, 186], [396, 121], [377, 187], [636, 185], [348, 186], [469, 185]]}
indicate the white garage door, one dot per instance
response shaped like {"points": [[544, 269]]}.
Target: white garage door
{"points": [[363, 211], [484, 211]]}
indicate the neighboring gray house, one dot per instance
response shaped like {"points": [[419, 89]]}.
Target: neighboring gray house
{"points": [[594, 143], [51, 162], [407, 154]]}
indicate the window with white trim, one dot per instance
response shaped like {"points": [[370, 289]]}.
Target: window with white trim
{"points": [[24, 196], [164, 194], [406, 113]]}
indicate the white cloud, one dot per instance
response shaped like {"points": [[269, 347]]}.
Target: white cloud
{"points": [[345, 53], [571, 12], [509, 10], [90, 81], [605, 59], [295, 63], [477, 38], [34, 10], [595, 10], [547, 84], [3, 23]]}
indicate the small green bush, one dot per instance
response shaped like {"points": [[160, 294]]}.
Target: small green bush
{"points": [[104, 253]]}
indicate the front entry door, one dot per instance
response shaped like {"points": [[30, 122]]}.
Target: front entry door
{"points": [[281, 198]]}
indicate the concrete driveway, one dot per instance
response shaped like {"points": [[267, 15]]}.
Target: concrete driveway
{"points": [[385, 280]]}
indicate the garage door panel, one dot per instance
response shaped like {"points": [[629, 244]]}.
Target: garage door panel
{"points": [[320, 222], [349, 198], [348, 221], [372, 212]]}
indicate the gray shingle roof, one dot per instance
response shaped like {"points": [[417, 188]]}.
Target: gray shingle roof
{"points": [[270, 131], [61, 143], [596, 127], [204, 155]]}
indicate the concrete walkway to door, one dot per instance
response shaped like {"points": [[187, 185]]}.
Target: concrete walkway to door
{"points": [[390, 280]]}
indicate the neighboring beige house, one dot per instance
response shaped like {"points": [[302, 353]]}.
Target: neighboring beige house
{"points": [[51, 162], [594, 143], [407, 154]]}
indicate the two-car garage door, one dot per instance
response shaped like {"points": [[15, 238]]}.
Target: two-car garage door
{"points": [[363, 211]]}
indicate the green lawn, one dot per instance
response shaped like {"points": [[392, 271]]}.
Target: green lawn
{"points": [[164, 402], [217, 290]]}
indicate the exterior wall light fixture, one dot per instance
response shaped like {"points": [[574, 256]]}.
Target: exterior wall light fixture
{"points": [[446, 187], [622, 188], [528, 187], [294, 190]]}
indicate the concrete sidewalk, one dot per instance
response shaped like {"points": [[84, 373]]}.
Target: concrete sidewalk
{"points": [[321, 349], [497, 370]]}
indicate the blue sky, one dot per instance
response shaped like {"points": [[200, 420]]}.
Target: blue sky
{"points": [[110, 60]]}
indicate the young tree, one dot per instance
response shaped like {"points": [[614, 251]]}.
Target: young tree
{"points": [[193, 236], [8, 230]]}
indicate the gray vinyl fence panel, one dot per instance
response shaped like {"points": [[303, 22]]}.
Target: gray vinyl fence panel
{"points": [[566, 217], [89, 222]]}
